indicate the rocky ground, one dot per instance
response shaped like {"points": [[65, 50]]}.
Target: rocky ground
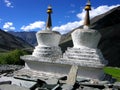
{"points": [[7, 70], [8, 82]]}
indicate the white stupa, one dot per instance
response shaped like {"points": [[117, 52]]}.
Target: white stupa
{"points": [[48, 41], [47, 60], [84, 52], [39, 64]]}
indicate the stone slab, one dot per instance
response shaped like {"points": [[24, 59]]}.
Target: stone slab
{"points": [[51, 81], [116, 85], [67, 87], [18, 82], [90, 88], [71, 79], [12, 87], [5, 82]]}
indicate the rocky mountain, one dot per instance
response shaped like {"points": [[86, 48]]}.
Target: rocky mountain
{"points": [[10, 42], [29, 37], [108, 24]]}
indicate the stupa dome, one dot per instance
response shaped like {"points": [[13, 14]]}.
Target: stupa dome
{"points": [[48, 38], [85, 38]]}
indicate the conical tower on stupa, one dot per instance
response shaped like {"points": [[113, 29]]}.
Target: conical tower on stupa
{"points": [[87, 16], [49, 20]]}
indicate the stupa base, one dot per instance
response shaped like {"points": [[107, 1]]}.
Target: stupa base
{"points": [[49, 68]]}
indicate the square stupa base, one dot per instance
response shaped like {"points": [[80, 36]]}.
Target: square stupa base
{"points": [[46, 68]]}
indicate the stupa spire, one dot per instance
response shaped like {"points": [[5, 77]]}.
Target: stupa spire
{"points": [[49, 21], [87, 16]]}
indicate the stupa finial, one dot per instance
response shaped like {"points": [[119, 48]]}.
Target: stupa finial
{"points": [[49, 21], [87, 16]]}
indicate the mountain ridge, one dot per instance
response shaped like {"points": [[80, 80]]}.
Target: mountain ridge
{"points": [[29, 37], [9, 42]]}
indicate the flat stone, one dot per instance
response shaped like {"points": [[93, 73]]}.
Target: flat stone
{"points": [[50, 84], [109, 78], [82, 80], [41, 89], [90, 88], [25, 78], [109, 89], [38, 84], [103, 82], [99, 86], [12, 87], [51, 87], [55, 88], [67, 87], [18, 82], [71, 79], [5, 82], [34, 75], [116, 85], [51, 81]]}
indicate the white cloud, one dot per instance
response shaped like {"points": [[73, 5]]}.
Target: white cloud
{"points": [[8, 26], [94, 12], [67, 27], [34, 25], [8, 3]]}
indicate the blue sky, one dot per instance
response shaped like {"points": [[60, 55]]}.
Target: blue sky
{"points": [[30, 15]]}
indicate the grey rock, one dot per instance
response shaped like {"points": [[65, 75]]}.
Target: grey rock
{"points": [[109, 89], [90, 88], [12, 87], [50, 84], [72, 75], [8, 68], [51, 81], [109, 78], [92, 85], [56, 87], [18, 82], [82, 80], [103, 82], [41, 88], [5, 82], [67, 87], [116, 85]]}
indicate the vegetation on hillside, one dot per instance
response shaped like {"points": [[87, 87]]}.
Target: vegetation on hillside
{"points": [[12, 57], [115, 72]]}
